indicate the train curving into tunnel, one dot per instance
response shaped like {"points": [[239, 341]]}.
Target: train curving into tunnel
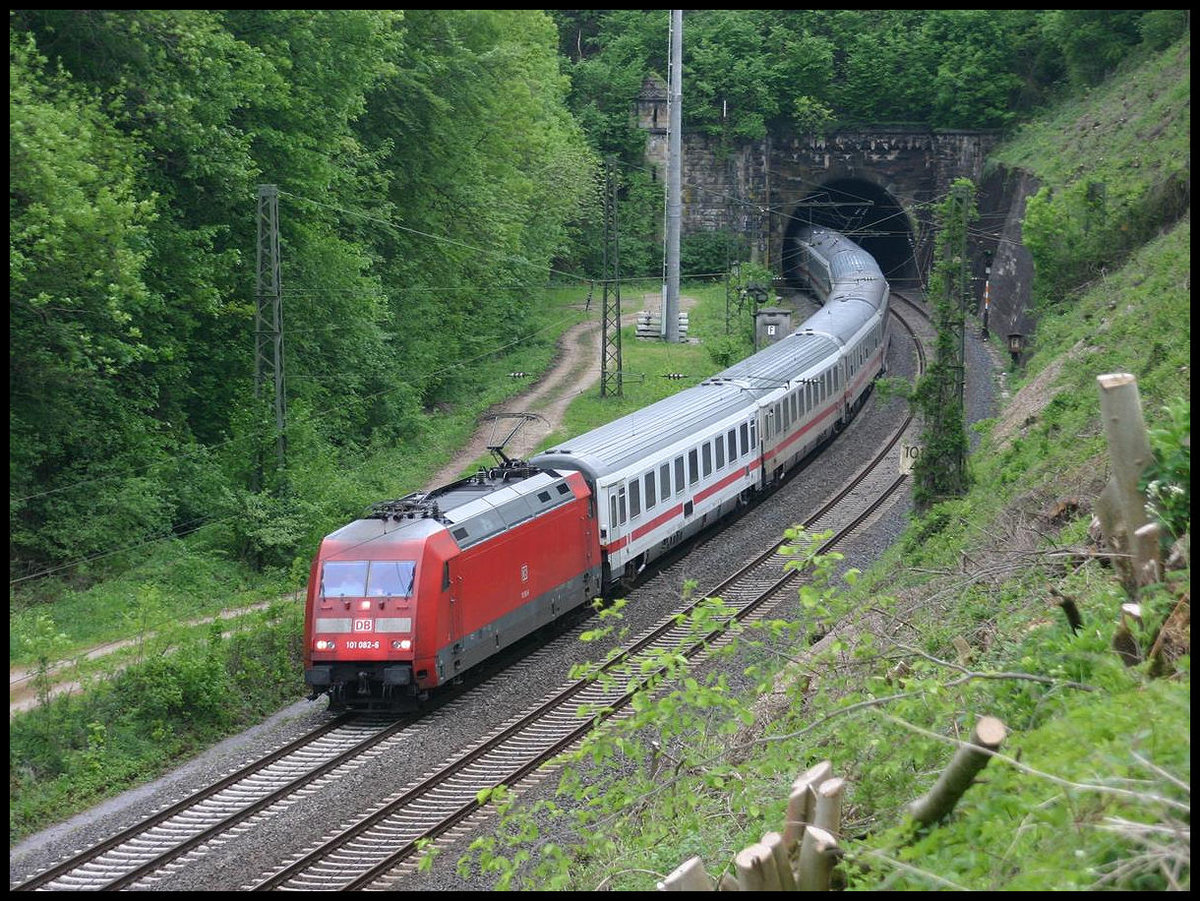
{"points": [[867, 214]]}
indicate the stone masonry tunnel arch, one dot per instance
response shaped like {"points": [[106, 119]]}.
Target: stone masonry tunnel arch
{"points": [[865, 212]]}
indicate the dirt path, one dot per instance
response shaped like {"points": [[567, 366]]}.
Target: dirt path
{"points": [[22, 691], [576, 371]]}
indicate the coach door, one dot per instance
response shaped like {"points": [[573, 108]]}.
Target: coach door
{"points": [[618, 515]]}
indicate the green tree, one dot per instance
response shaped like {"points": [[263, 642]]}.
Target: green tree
{"points": [[941, 472], [488, 167], [80, 408], [1092, 41]]}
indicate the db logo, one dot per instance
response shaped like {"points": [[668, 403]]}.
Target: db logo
{"points": [[364, 625]]}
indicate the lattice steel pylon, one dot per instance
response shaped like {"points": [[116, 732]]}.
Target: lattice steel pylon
{"points": [[268, 327], [610, 357]]}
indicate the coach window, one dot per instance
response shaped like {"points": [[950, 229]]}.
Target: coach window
{"points": [[753, 437], [719, 443], [731, 442], [621, 502], [693, 467], [651, 499], [706, 453], [635, 499], [746, 443], [664, 480], [679, 475]]}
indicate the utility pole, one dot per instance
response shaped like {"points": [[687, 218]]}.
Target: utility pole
{"points": [[610, 355], [268, 327], [987, 292], [674, 181]]}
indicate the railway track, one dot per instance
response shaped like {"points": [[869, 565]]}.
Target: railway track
{"points": [[375, 850]]}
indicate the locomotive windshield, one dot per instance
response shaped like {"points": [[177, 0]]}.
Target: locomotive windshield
{"points": [[362, 578]]}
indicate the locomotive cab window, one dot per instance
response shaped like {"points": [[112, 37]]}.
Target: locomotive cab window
{"points": [[340, 580], [390, 578], [360, 578]]}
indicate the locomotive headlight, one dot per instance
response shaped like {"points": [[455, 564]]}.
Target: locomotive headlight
{"points": [[325, 644], [364, 605], [402, 644]]}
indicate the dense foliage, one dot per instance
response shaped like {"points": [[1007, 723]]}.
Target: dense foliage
{"points": [[428, 169], [749, 71]]}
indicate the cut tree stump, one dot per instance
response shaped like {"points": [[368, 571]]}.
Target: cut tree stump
{"points": [[989, 733]]}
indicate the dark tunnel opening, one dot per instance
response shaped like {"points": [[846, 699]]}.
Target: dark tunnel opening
{"points": [[867, 214]]}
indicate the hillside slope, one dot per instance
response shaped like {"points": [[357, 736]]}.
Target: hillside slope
{"points": [[966, 615]]}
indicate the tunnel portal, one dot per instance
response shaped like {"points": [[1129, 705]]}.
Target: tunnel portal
{"points": [[867, 214]]}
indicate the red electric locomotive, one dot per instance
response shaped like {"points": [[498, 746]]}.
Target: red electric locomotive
{"points": [[427, 586]]}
